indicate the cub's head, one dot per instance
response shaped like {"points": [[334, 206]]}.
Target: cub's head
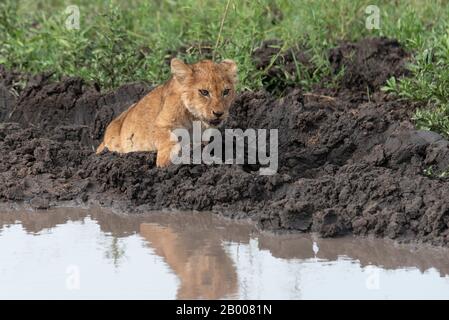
{"points": [[208, 88]]}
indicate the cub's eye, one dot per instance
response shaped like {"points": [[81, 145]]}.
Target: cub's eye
{"points": [[226, 92], [204, 93]]}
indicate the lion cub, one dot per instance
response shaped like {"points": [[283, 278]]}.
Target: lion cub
{"points": [[203, 91]]}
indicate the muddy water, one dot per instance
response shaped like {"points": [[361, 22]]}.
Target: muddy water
{"points": [[71, 253]]}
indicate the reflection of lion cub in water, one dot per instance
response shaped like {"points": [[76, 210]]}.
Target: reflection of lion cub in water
{"points": [[202, 91]]}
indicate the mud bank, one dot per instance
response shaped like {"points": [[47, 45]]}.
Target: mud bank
{"points": [[350, 160]]}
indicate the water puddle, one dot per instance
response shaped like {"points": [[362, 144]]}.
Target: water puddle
{"points": [[69, 253]]}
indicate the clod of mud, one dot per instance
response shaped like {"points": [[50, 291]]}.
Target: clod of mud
{"points": [[345, 167]]}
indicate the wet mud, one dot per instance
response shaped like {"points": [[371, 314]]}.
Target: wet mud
{"points": [[350, 159]]}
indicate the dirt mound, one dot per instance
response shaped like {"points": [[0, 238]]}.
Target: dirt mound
{"points": [[363, 66], [344, 167], [47, 105], [368, 63]]}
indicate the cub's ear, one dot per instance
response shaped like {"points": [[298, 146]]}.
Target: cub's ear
{"points": [[179, 69], [230, 67]]}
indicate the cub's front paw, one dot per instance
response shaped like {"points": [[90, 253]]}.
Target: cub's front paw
{"points": [[163, 159], [164, 156], [162, 162]]}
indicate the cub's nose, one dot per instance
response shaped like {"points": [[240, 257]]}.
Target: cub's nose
{"points": [[218, 114]]}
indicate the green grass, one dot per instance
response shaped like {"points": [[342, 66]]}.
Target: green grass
{"points": [[126, 41], [429, 83]]}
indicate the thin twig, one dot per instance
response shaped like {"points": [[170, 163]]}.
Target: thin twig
{"points": [[221, 28], [309, 94]]}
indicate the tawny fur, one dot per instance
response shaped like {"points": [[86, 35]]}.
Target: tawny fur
{"points": [[146, 125]]}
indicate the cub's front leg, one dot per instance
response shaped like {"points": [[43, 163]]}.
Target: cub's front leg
{"points": [[165, 147]]}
